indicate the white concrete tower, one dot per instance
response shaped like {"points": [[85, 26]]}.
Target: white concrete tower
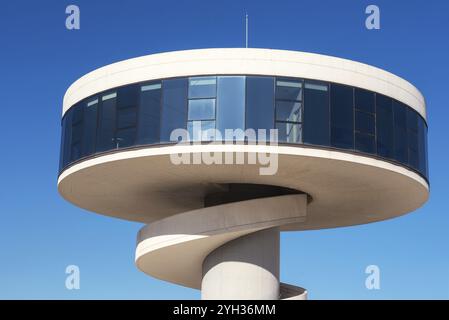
{"points": [[351, 149]]}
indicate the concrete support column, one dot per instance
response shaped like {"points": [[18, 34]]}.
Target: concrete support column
{"points": [[243, 269]]}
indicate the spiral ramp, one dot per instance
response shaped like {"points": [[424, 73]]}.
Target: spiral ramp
{"points": [[200, 235], [229, 251]]}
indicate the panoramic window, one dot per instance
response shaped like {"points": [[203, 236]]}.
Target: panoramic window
{"points": [[202, 87], [77, 132], [304, 111], [365, 123], [201, 108], [231, 104], [106, 126], [422, 146], [127, 103], [316, 113], [412, 138], [149, 113], [342, 116], [384, 126], [90, 126], [174, 107], [400, 132], [260, 104], [289, 110]]}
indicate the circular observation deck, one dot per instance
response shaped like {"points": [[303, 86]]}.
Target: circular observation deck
{"points": [[351, 136], [271, 141]]}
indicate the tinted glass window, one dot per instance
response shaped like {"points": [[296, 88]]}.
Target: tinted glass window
{"points": [[313, 112], [342, 117], [77, 132], [412, 138], [230, 103], [289, 132], [364, 100], [422, 147], [67, 128], [61, 146], [202, 87], [364, 122], [128, 96], [260, 103], [365, 142], [400, 132], [198, 130], [316, 113], [90, 126], [106, 129], [288, 111], [201, 109], [174, 108], [149, 113], [125, 137], [126, 118], [288, 89], [384, 126]]}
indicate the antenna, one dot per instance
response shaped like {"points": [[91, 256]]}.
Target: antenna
{"points": [[246, 30]]}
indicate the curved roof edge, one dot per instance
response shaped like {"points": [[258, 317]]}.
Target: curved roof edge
{"points": [[247, 61]]}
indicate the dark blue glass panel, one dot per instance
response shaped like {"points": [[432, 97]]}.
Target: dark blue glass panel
{"points": [[125, 137], [61, 146], [364, 122], [342, 117], [289, 132], [412, 138], [260, 103], [202, 87], [77, 132], [149, 113], [127, 103], [75, 151], [128, 96], [90, 126], [289, 89], [174, 107], [126, 118], [316, 113], [422, 146], [365, 143], [67, 128], [400, 132], [230, 103], [364, 100], [106, 129], [288, 111], [384, 126], [77, 113], [412, 119]]}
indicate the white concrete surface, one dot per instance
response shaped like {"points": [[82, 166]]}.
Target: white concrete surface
{"points": [[173, 249], [246, 61], [246, 268], [144, 185]]}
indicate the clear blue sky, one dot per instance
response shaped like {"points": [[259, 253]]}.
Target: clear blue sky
{"points": [[40, 233]]}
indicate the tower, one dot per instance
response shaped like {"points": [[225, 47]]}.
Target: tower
{"points": [[350, 148]]}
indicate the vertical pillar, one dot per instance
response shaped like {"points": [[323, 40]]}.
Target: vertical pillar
{"points": [[245, 268]]}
